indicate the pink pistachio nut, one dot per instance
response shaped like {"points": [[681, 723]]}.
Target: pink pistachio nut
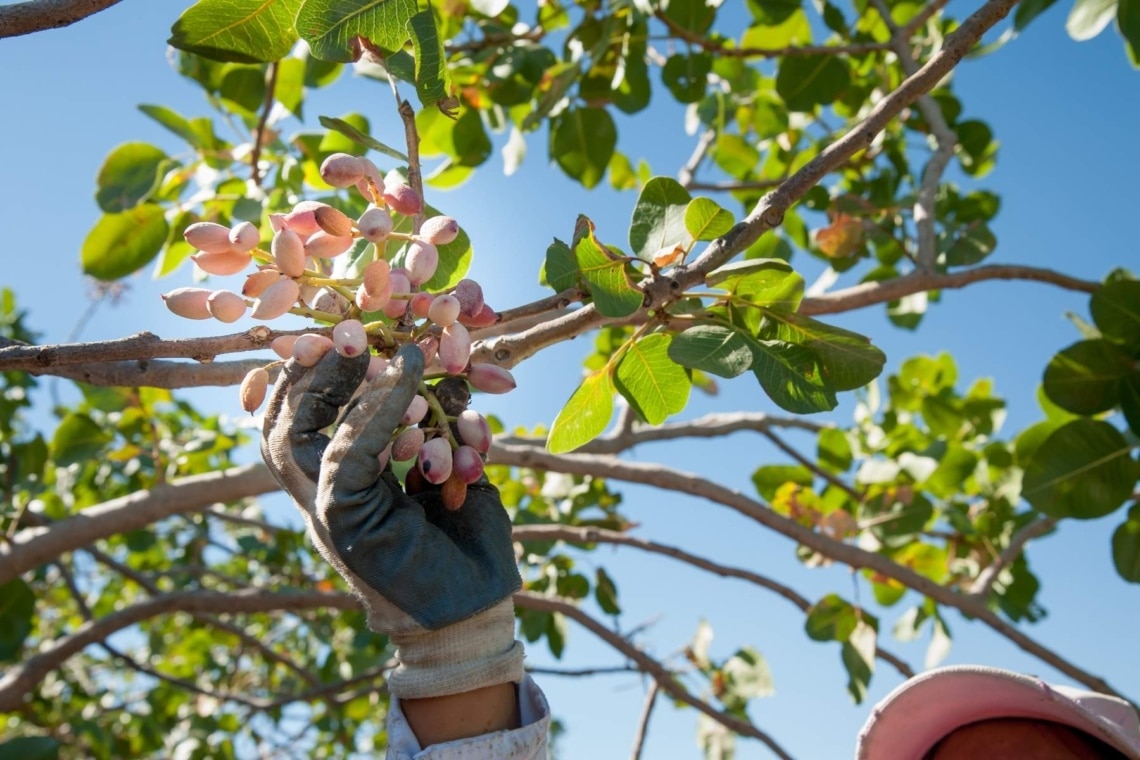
{"points": [[288, 251], [470, 295], [421, 302], [322, 245], [302, 219], [434, 462], [226, 306], [484, 318], [416, 411], [333, 221], [444, 310], [310, 348], [401, 198], [252, 389], [209, 237], [189, 303], [244, 237], [474, 430], [439, 230], [342, 170], [454, 348], [395, 308], [467, 464], [407, 444], [376, 365], [222, 264], [375, 225], [368, 301], [256, 283], [282, 345], [371, 185], [421, 261], [490, 378], [349, 338], [276, 300], [377, 276]]}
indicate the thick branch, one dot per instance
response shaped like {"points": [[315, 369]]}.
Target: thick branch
{"points": [[647, 664], [576, 535], [20, 680], [853, 556], [38, 15], [32, 547], [157, 373]]}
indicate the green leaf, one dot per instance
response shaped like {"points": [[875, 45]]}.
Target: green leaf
{"points": [[715, 349], [1128, 21], [686, 76], [790, 375], [237, 30], [606, 592], [834, 450], [1126, 546], [243, 87], [1027, 10], [847, 359], [30, 748], [772, 12], [290, 90], [585, 415], [17, 605], [560, 271], [1088, 18], [807, 81], [1084, 378], [770, 477], [747, 676], [361, 138], [1082, 470], [1130, 400], [431, 65], [128, 175], [655, 385], [332, 26], [610, 286], [695, 16], [122, 243], [1115, 308], [582, 141], [173, 121], [971, 247], [831, 619], [658, 217], [858, 656], [739, 269], [706, 220], [77, 439]]}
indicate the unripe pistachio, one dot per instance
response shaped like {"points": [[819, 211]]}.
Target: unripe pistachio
{"points": [[208, 237], [310, 348], [277, 299], [244, 237], [376, 365], [470, 295], [474, 430], [256, 283], [252, 390], [444, 310], [222, 264], [421, 261], [226, 306], [421, 303], [467, 464], [375, 225], [407, 444], [322, 245], [454, 348], [453, 493], [333, 221], [485, 317], [302, 219], [188, 302], [350, 338], [282, 345], [439, 230], [401, 198], [490, 378], [342, 170], [434, 462], [416, 411], [288, 251]]}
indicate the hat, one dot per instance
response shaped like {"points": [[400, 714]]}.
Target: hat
{"points": [[920, 712]]}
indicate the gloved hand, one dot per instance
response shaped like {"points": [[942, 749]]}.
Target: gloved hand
{"points": [[438, 582]]}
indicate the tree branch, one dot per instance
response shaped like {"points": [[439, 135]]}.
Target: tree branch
{"points": [[34, 546], [853, 556], [580, 672], [647, 664], [38, 15], [259, 131], [22, 678], [985, 581], [643, 722], [686, 174], [578, 535]]}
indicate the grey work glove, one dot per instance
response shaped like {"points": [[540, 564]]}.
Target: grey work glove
{"points": [[438, 582]]}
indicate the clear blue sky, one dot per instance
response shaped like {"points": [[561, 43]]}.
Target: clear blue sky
{"points": [[1067, 115]]}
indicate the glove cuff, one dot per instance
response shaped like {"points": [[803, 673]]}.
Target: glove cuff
{"points": [[473, 653]]}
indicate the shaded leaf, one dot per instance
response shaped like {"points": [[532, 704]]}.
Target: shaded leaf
{"points": [[848, 359], [582, 141], [807, 81], [658, 217], [431, 65], [30, 748], [712, 348], [560, 270], [1084, 377], [791, 376], [361, 138], [831, 619], [1115, 308], [1126, 546], [128, 175], [606, 592], [1082, 470], [17, 605]]}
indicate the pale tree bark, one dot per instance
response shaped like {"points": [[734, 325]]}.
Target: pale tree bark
{"points": [[38, 15]]}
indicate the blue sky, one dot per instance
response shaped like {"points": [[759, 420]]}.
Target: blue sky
{"points": [[1067, 115]]}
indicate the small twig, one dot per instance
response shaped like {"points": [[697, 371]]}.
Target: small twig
{"points": [[259, 132], [985, 581], [583, 672], [687, 172], [38, 15], [647, 664], [732, 185], [785, 447], [643, 722]]}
